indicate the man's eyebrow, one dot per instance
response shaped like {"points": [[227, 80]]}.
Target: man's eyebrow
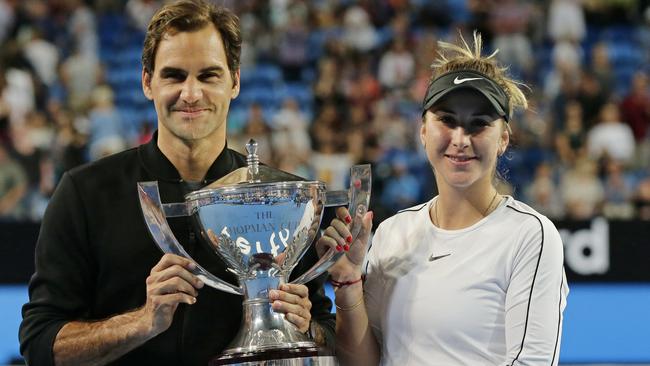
{"points": [[172, 70], [215, 68]]}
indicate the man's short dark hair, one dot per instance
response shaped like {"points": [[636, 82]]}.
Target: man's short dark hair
{"points": [[188, 16]]}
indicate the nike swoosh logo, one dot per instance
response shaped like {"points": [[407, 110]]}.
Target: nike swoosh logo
{"points": [[460, 81], [434, 258]]}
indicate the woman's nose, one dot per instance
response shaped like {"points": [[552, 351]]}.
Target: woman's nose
{"points": [[460, 138]]}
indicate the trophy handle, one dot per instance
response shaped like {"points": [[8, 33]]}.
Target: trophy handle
{"points": [[154, 216], [360, 180]]}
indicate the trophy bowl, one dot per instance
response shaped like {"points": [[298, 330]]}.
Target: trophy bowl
{"points": [[260, 221]]}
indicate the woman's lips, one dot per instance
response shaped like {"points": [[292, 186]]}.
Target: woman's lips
{"points": [[460, 159]]}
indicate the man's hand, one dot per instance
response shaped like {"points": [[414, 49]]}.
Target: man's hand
{"points": [[169, 284], [293, 300]]}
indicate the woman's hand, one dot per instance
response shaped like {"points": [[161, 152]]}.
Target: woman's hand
{"points": [[339, 238]]}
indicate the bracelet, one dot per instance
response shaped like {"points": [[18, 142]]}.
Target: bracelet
{"points": [[337, 284], [348, 308]]}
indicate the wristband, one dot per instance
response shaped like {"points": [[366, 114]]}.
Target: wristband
{"points": [[348, 308]]}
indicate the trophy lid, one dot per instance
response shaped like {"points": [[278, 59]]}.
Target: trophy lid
{"points": [[253, 175]]}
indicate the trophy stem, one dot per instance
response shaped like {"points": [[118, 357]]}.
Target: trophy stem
{"points": [[262, 328]]}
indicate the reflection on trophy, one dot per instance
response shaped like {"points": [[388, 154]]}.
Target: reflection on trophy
{"points": [[260, 221]]}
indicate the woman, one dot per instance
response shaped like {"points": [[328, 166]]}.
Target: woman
{"points": [[471, 277]]}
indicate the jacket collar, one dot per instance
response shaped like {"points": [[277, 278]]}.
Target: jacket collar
{"points": [[160, 168]]}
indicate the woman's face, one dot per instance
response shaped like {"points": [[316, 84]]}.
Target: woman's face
{"points": [[463, 135]]}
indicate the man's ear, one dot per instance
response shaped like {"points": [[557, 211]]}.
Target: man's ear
{"points": [[236, 84], [146, 84]]}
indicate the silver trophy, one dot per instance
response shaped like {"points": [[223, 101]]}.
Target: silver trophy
{"points": [[260, 221]]}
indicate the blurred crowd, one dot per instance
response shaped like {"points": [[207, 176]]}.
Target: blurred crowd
{"points": [[331, 83]]}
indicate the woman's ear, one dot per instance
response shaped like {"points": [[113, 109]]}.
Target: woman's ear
{"points": [[504, 140], [423, 133]]}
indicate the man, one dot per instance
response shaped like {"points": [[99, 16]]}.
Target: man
{"points": [[101, 292]]}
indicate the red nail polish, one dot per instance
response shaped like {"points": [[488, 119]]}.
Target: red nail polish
{"points": [[338, 248], [346, 247], [349, 239], [348, 219]]}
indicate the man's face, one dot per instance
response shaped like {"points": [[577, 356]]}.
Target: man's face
{"points": [[191, 85]]}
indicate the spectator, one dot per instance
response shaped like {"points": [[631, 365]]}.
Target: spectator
{"points": [[363, 88], [327, 88], [581, 191], [140, 12], [293, 48], [635, 108], [509, 23], [566, 21], [601, 67], [592, 97], [402, 189], [42, 55], [108, 132], [642, 199], [257, 128], [13, 186], [19, 91], [80, 74], [542, 195], [69, 148], [570, 143], [327, 131], [619, 191], [82, 28], [397, 66], [290, 131], [611, 137], [358, 33], [7, 18], [356, 132]]}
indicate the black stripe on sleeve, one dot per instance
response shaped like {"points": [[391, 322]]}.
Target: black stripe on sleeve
{"points": [[530, 296], [365, 272], [413, 209], [559, 319]]}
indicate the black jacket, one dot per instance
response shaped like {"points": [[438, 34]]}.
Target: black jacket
{"points": [[94, 254]]}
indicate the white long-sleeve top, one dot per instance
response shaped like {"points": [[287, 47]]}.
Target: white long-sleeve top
{"points": [[489, 294]]}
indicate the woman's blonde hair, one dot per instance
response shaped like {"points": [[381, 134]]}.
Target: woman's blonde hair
{"points": [[453, 57]]}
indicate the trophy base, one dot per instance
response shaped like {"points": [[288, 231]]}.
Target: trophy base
{"points": [[299, 356]]}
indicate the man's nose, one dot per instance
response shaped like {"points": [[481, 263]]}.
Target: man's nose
{"points": [[191, 91], [460, 137]]}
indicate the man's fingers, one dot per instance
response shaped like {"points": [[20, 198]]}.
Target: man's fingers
{"points": [[169, 260], [175, 271], [300, 290], [287, 308], [172, 286], [301, 323], [171, 300], [293, 294]]}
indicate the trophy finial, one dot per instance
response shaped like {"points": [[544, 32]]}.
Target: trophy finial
{"points": [[253, 161], [251, 148]]}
